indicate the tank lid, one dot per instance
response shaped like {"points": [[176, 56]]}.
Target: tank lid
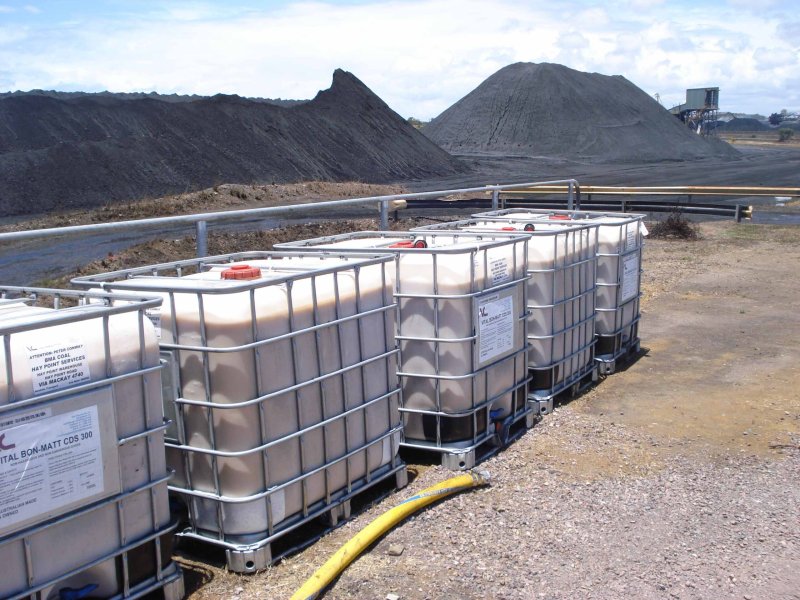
{"points": [[410, 244], [241, 272], [559, 217]]}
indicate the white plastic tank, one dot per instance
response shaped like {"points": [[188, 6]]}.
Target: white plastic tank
{"points": [[286, 377], [561, 284], [461, 330], [82, 453], [619, 259]]}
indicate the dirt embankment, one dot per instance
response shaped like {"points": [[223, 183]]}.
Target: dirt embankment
{"points": [[217, 198], [58, 153]]}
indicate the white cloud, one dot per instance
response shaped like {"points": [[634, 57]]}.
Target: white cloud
{"points": [[34, 10], [770, 58], [420, 56], [5, 9]]}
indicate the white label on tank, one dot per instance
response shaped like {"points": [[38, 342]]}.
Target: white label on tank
{"points": [[630, 241], [630, 277], [499, 271], [495, 326], [58, 366], [49, 463], [154, 314]]}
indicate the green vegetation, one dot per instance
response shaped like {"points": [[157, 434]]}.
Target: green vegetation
{"points": [[416, 123]]}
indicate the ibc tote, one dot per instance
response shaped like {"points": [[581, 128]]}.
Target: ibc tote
{"points": [[285, 389], [619, 267], [83, 479], [461, 332], [561, 301]]}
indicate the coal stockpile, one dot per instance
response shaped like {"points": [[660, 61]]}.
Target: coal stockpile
{"points": [[743, 124], [91, 150], [550, 110]]}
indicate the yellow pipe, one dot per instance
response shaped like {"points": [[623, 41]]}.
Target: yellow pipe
{"points": [[378, 527]]}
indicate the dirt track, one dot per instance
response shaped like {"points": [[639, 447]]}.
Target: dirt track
{"points": [[674, 478]]}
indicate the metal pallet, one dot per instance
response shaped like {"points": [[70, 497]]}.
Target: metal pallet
{"points": [[607, 364], [259, 556], [506, 431]]}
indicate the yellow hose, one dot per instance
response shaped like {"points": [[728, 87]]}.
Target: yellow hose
{"points": [[364, 538]]}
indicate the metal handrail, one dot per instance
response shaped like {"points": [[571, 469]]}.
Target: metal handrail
{"points": [[670, 190], [201, 220]]}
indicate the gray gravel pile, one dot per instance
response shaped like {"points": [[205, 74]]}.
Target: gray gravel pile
{"points": [[743, 124], [552, 111]]}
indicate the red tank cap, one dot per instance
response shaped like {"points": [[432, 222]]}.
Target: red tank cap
{"points": [[508, 229], [403, 244], [529, 227], [559, 217], [420, 244], [241, 272]]}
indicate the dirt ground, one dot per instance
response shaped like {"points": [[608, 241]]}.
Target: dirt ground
{"points": [[676, 477], [218, 198]]}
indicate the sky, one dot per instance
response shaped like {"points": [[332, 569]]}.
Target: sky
{"points": [[419, 56]]}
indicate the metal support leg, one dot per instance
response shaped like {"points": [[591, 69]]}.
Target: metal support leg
{"points": [[385, 215], [495, 199], [202, 239]]}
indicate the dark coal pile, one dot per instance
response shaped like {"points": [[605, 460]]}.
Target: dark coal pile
{"points": [[550, 110], [91, 150], [742, 124]]}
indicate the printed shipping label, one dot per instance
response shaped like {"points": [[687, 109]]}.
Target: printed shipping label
{"points": [[630, 277], [58, 366], [499, 271], [154, 314], [630, 240], [48, 464], [495, 326]]}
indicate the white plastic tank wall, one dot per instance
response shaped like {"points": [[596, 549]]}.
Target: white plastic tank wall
{"points": [[82, 457], [461, 330], [561, 294], [287, 384], [619, 259]]}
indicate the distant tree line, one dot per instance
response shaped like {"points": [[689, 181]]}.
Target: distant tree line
{"points": [[776, 119]]}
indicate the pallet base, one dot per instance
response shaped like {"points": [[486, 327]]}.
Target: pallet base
{"points": [[545, 404], [250, 559], [462, 459], [607, 365]]}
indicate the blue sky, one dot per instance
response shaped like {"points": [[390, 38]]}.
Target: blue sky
{"points": [[420, 56]]}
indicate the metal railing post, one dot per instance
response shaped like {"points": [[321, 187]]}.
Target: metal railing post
{"points": [[571, 198], [202, 239], [384, 215], [495, 199]]}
